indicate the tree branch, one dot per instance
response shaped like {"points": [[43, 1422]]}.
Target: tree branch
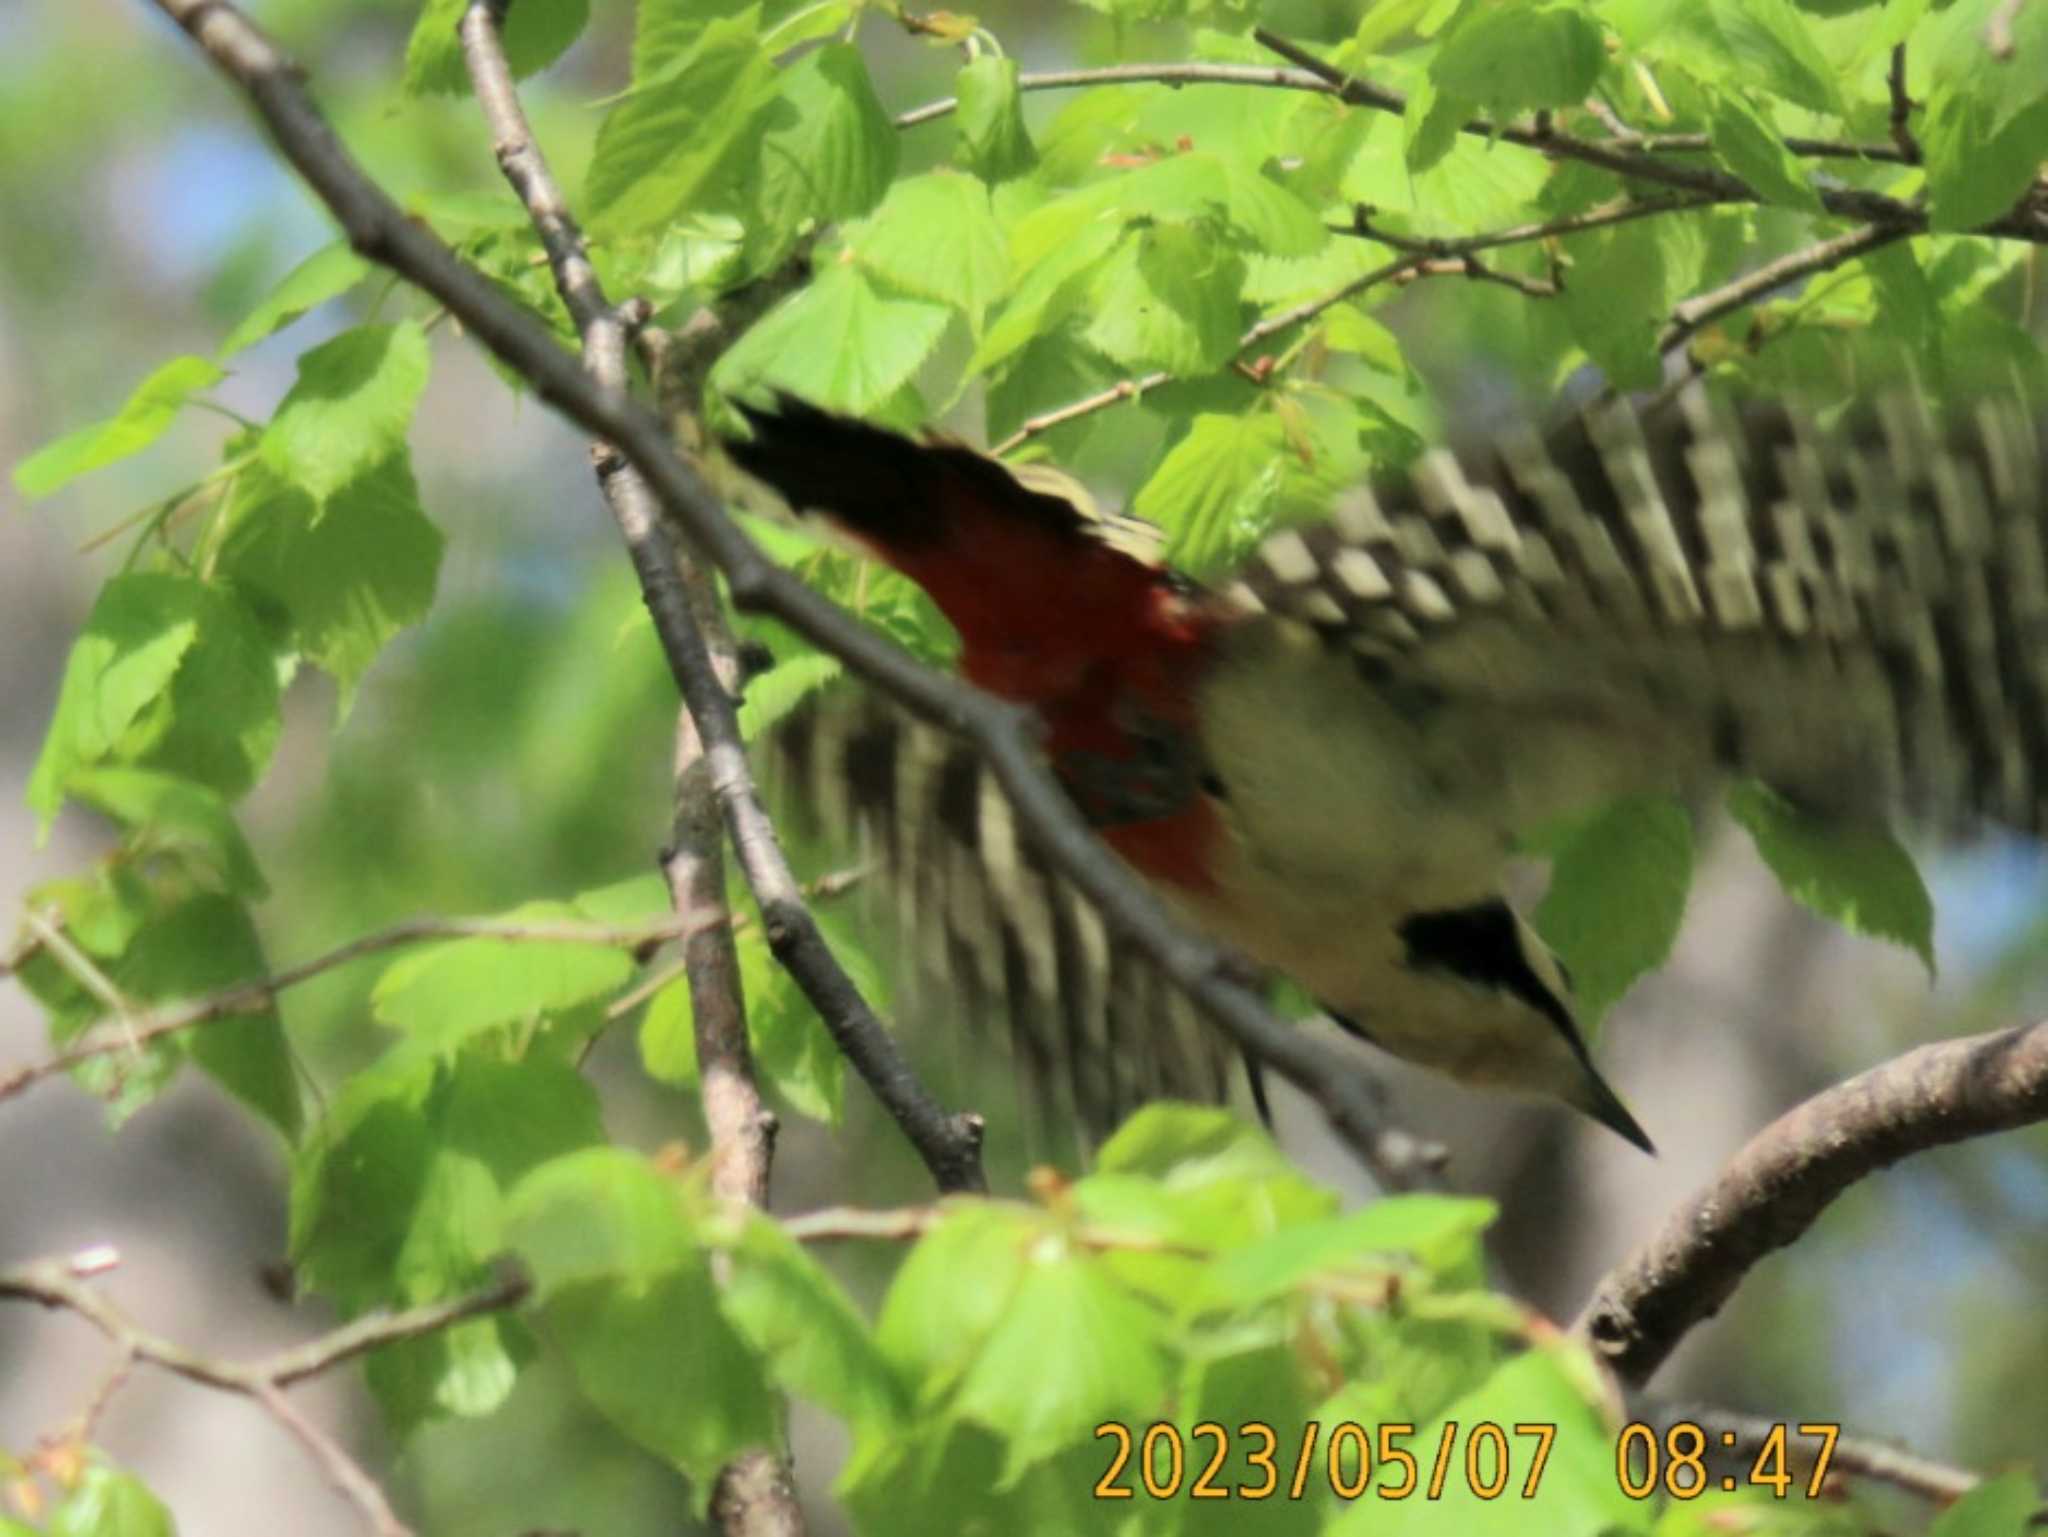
{"points": [[1624, 159], [1273, 78], [61, 1284], [1692, 315], [1272, 325], [711, 763], [752, 1495], [1786, 1177], [1860, 1456], [136, 1027], [378, 229]]}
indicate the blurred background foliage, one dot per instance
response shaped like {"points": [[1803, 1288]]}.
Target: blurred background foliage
{"points": [[516, 746]]}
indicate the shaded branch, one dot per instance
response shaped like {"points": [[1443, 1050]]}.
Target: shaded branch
{"points": [[1693, 315], [1858, 1456], [1274, 78], [379, 230], [1794, 1168], [1902, 106], [1619, 211], [62, 1284], [1624, 158], [752, 1495], [137, 1026], [712, 766], [1272, 325]]}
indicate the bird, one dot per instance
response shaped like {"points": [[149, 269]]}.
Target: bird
{"points": [[1326, 759]]}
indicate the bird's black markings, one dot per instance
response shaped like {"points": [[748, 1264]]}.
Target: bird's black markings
{"points": [[1157, 778], [1482, 944]]}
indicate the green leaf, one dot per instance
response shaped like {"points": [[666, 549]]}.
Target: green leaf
{"points": [[935, 237], [1212, 490], [443, 993], [1618, 885], [139, 423], [327, 274], [1347, 328], [109, 1503], [1772, 45], [1442, 1231], [1071, 1349], [631, 899], [1430, 126], [1052, 288], [1758, 156], [1858, 876], [778, 691], [350, 408], [1976, 172], [1998, 1507], [664, 31], [123, 660], [101, 909], [1510, 58], [950, 1291], [206, 943], [837, 342], [993, 142], [662, 1364], [815, 1342], [536, 33], [792, 1048], [399, 1193], [1274, 219], [169, 674], [628, 1294], [829, 153], [347, 577], [1616, 296], [1168, 298], [176, 814], [601, 1213], [668, 1037], [659, 149]]}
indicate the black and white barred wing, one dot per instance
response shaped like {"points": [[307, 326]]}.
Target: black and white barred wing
{"points": [[1859, 617], [987, 936]]}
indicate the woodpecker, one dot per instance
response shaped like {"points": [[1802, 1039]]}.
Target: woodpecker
{"points": [[1326, 760]]}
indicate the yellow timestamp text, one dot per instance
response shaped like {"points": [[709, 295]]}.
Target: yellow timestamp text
{"points": [[1162, 1463], [1674, 1459]]}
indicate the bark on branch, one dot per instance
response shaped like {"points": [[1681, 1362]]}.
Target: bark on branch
{"points": [[1794, 1168]]}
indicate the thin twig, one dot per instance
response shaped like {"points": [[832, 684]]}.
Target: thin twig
{"points": [[752, 1495], [684, 605], [1793, 1169], [138, 1027], [1998, 29], [381, 231], [1132, 389], [1274, 78], [1902, 107], [57, 1283], [1692, 315], [1860, 1456], [1626, 159], [1701, 144], [1128, 74], [1619, 211], [1472, 267]]}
